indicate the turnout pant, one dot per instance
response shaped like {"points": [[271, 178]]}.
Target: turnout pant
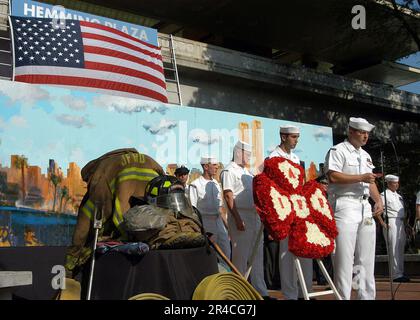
{"points": [[354, 248], [396, 245], [243, 243]]}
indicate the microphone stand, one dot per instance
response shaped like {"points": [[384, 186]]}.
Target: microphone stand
{"points": [[389, 252]]}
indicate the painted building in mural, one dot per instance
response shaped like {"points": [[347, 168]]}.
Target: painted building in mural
{"points": [[42, 169]]}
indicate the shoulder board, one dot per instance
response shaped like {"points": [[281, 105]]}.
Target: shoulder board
{"points": [[333, 149], [193, 185]]}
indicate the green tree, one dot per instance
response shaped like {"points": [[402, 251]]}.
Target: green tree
{"points": [[21, 162], [55, 180], [64, 196]]}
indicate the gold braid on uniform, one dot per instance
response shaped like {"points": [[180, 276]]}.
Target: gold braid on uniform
{"points": [[225, 286]]}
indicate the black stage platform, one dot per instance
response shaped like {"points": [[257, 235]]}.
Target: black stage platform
{"points": [[171, 273]]}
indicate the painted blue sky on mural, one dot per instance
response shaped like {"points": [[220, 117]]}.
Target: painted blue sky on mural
{"points": [[49, 122]]}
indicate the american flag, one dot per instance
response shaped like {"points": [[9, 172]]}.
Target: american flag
{"points": [[89, 55]]}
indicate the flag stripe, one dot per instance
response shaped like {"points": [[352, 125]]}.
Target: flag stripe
{"points": [[126, 71], [87, 55], [123, 34], [115, 42], [112, 35], [121, 55], [94, 83], [92, 57], [89, 74]]}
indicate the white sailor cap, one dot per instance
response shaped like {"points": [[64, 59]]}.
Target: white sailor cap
{"points": [[391, 178], [242, 145], [208, 160], [360, 124], [289, 129]]}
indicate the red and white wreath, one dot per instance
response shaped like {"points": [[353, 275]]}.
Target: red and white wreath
{"points": [[308, 240], [286, 174], [287, 207], [320, 207], [273, 206]]}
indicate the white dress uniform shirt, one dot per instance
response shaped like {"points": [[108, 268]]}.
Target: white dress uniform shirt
{"points": [[278, 152], [396, 231], [206, 196], [418, 198], [345, 158], [355, 244], [239, 181], [395, 204]]}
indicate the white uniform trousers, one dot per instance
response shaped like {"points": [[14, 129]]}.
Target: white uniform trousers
{"points": [[397, 239], [290, 287], [354, 249], [214, 224], [243, 243]]}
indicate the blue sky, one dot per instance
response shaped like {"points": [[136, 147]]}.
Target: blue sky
{"points": [[412, 60], [49, 122]]}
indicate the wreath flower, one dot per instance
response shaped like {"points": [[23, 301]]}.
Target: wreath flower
{"points": [[287, 207], [300, 206], [285, 173], [320, 208], [308, 240], [273, 206]]}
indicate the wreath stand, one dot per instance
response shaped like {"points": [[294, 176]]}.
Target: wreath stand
{"points": [[306, 294]]}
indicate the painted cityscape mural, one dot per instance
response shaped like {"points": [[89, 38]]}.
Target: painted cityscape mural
{"points": [[48, 133]]}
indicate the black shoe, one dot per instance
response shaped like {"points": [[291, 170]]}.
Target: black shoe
{"points": [[269, 298], [402, 279]]}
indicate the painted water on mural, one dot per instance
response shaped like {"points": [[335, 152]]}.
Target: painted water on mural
{"points": [[29, 227]]}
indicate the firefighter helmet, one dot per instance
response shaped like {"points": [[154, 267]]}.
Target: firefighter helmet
{"points": [[167, 192]]}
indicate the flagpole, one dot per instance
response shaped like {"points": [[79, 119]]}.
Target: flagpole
{"points": [[12, 39]]}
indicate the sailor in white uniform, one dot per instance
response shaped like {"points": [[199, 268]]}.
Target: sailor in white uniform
{"points": [[289, 136], [243, 220], [206, 195], [395, 228], [349, 170]]}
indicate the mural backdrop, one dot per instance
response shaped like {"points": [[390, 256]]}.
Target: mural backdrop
{"points": [[48, 133]]}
